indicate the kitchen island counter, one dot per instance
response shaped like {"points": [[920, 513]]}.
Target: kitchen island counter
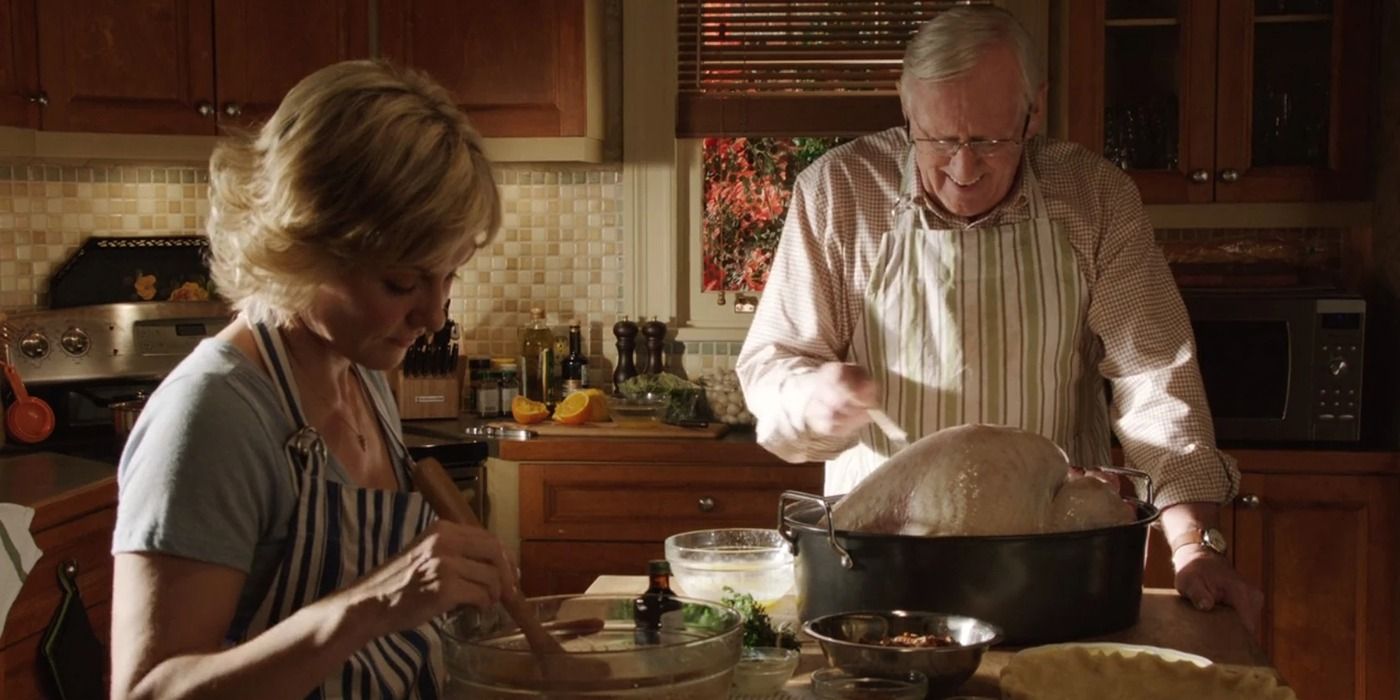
{"points": [[1166, 620]]}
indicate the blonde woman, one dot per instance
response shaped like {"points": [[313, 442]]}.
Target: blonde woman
{"points": [[268, 540]]}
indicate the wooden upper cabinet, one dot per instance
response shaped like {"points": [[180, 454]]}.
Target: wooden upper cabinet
{"points": [[19, 65], [516, 68], [150, 67], [128, 66], [1323, 550], [1225, 100], [267, 46]]}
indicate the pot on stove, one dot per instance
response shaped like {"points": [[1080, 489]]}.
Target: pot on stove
{"points": [[125, 413]]}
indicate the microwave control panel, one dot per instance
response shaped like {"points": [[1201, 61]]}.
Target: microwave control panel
{"points": [[1337, 369]]}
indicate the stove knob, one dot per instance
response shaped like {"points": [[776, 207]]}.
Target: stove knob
{"points": [[34, 345], [75, 341]]}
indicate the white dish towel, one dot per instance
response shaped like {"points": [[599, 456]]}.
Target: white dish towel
{"points": [[18, 554]]}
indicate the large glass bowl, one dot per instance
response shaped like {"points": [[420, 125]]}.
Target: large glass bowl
{"points": [[749, 560], [488, 658]]}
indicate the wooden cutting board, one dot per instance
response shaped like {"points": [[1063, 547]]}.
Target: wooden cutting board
{"points": [[613, 430]]}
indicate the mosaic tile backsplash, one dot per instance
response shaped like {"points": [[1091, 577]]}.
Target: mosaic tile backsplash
{"points": [[561, 246]]}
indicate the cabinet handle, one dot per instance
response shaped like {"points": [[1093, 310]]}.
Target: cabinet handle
{"points": [[233, 109], [1229, 175], [205, 109], [40, 98], [1249, 501], [705, 504], [1200, 176]]}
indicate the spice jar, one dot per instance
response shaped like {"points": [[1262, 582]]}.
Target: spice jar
{"points": [[476, 368], [488, 396]]}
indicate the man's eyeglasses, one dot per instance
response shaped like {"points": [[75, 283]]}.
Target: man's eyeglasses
{"points": [[982, 148]]}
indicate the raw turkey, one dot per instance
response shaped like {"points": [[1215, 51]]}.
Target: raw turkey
{"points": [[979, 480]]}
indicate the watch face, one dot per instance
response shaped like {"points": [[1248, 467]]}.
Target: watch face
{"points": [[1214, 540]]}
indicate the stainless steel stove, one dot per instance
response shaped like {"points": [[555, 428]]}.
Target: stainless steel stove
{"points": [[83, 358]]}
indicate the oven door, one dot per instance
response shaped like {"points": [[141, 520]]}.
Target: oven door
{"points": [[1254, 354]]}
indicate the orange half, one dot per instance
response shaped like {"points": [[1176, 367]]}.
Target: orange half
{"points": [[573, 410], [527, 412]]}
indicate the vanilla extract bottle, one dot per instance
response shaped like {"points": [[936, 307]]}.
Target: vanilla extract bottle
{"points": [[651, 607], [575, 366]]}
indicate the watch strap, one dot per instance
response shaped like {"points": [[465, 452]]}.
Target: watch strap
{"points": [[1199, 537]]}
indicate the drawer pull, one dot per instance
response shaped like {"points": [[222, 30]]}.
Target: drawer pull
{"points": [[706, 504], [1249, 501]]}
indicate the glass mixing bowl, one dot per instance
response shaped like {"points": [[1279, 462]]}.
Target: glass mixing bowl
{"points": [[749, 560], [488, 658]]}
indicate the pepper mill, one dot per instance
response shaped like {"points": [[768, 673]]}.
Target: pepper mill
{"points": [[626, 333], [655, 331]]}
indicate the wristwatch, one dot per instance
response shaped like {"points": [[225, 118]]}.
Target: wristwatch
{"points": [[1210, 538]]}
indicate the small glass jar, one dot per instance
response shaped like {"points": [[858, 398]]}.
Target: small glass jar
{"points": [[510, 387], [840, 684], [488, 396], [476, 367]]}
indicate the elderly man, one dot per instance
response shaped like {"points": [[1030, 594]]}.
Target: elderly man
{"points": [[960, 270]]}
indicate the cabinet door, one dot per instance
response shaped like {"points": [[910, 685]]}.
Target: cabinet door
{"points": [[1294, 102], [1323, 549], [1141, 89], [19, 65], [267, 46], [517, 68], [554, 568], [127, 66]]}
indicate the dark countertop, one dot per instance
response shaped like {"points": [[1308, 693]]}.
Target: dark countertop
{"points": [[736, 446], [57, 487]]}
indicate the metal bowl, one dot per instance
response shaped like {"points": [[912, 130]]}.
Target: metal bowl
{"points": [[850, 640]]}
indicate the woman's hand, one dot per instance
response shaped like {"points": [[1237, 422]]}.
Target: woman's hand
{"points": [[447, 566]]}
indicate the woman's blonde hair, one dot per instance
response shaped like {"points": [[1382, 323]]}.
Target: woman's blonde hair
{"points": [[363, 165], [950, 44]]}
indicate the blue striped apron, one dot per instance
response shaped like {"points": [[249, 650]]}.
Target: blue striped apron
{"points": [[977, 325], [339, 534]]}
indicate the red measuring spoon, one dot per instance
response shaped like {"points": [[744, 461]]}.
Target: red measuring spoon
{"points": [[29, 419]]}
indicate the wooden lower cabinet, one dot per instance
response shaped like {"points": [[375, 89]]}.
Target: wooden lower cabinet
{"points": [[552, 568], [86, 541], [580, 520], [1323, 548]]}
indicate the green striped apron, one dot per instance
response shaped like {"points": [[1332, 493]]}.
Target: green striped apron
{"points": [[977, 325]]}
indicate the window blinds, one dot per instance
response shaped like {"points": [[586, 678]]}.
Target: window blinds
{"points": [[793, 67]]}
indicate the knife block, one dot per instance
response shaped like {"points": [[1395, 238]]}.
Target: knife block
{"points": [[427, 396]]}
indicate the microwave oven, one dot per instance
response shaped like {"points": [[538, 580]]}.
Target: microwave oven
{"points": [[1280, 365]]}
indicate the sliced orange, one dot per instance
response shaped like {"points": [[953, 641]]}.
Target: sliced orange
{"points": [[526, 411], [597, 404], [573, 410]]}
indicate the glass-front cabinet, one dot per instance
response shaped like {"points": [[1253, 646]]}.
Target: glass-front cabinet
{"points": [[1226, 100]]}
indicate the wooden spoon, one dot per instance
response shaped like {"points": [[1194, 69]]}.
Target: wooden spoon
{"points": [[444, 496]]}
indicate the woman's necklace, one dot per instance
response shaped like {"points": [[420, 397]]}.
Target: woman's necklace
{"points": [[364, 444]]}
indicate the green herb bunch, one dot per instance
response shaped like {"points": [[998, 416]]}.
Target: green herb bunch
{"points": [[758, 628]]}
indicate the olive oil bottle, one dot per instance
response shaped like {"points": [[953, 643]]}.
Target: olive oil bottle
{"points": [[537, 359]]}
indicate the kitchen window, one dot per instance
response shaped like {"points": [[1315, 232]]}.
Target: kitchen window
{"points": [[762, 89]]}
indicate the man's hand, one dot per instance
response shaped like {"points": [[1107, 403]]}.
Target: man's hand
{"points": [[1202, 576], [1206, 578], [841, 397]]}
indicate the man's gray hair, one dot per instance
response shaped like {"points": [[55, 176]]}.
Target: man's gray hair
{"points": [[950, 44]]}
